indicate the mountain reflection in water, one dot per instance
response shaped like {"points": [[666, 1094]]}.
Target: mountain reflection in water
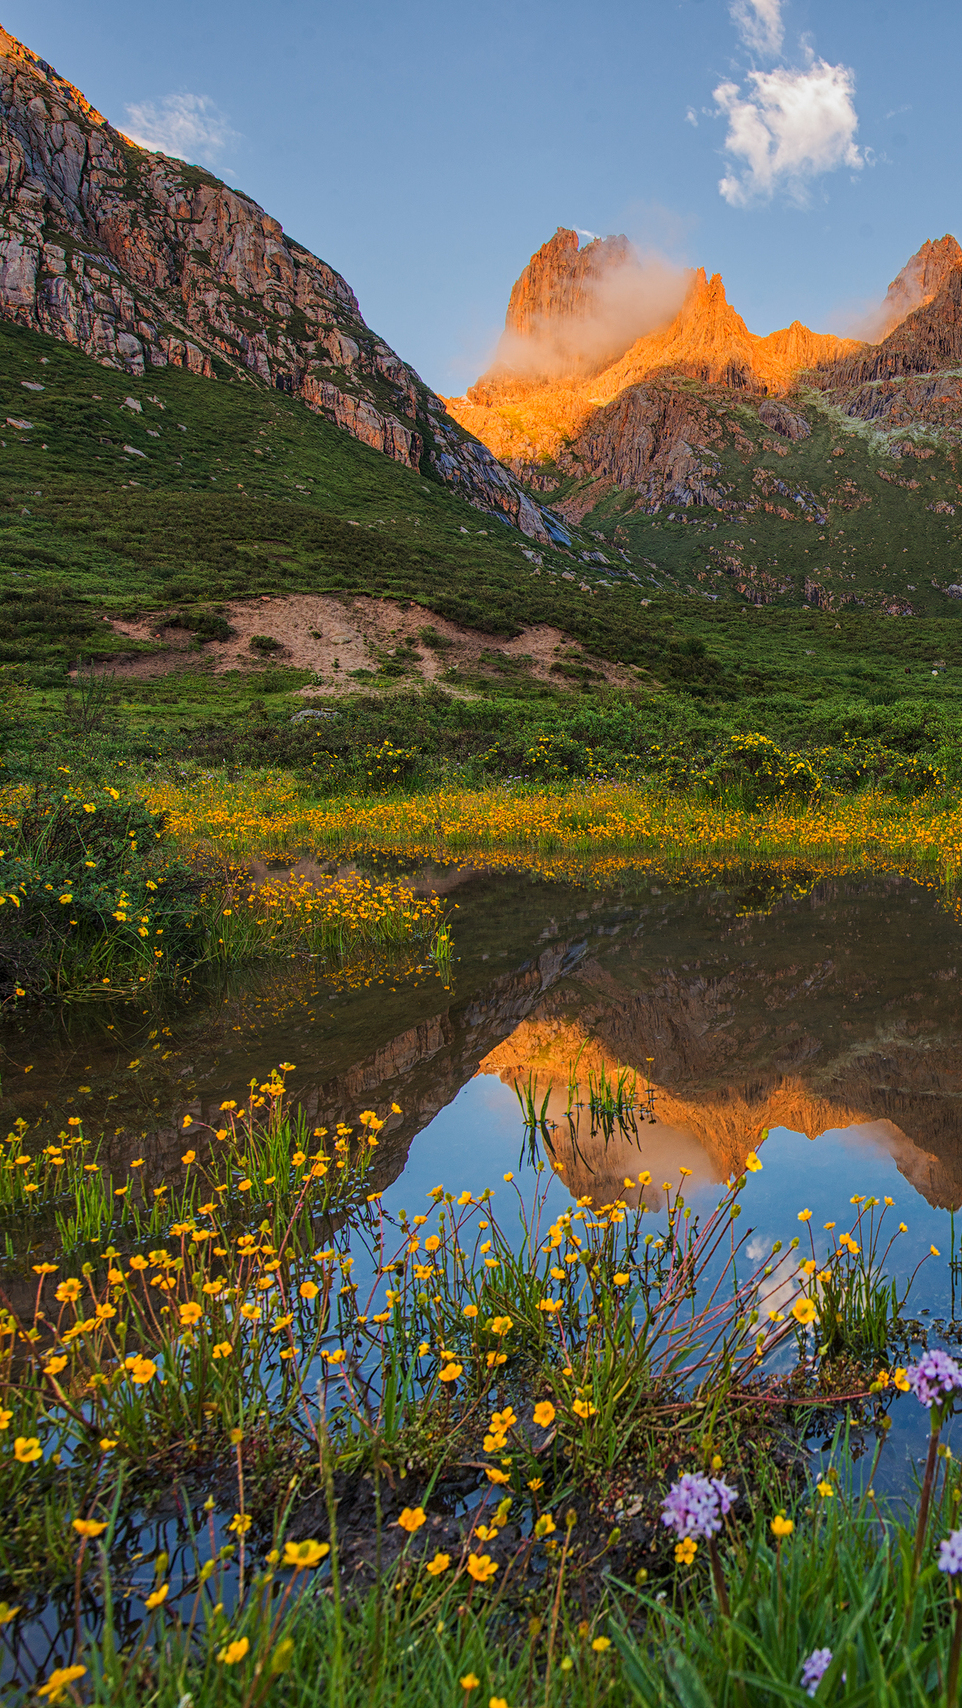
{"points": [[835, 1007]]}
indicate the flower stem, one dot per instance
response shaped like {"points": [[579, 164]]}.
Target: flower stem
{"points": [[718, 1577], [926, 1498], [952, 1684]]}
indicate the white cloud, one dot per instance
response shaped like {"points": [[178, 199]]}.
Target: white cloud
{"points": [[791, 127], [759, 23], [190, 127], [692, 117]]}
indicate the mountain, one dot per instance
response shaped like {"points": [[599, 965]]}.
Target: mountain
{"points": [[145, 262], [700, 425], [524, 413], [920, 280]]}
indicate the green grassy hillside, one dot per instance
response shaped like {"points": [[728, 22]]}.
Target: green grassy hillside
{"points": [[241, 492], [219, 490], [847, 518]]}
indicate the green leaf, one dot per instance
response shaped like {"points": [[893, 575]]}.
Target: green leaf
{"points": [[686, 1682]]}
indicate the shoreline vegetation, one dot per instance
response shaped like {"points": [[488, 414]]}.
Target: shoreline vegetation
{"points": [[602, 828], [106, 891], [98, 900], [263, 1440]]}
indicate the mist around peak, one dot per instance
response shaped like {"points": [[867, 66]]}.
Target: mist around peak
{"points": [[918, 282], [574, 310]]}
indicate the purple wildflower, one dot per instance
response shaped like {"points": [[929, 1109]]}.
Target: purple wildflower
{"points": [[815, 1669], [695, 1506], [950, 1553], [934, 1378]]}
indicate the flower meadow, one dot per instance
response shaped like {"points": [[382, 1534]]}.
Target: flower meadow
{"points": [[591, 831], [106, 892], [96, 900], [261, 1439]]}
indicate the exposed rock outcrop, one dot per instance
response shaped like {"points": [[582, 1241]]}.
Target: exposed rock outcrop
{"points": [[525, 419], [919, 281], [783, 421], [141, 261], [650, 441]]}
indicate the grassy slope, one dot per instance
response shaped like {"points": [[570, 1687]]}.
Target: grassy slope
{"points": [[317, 512], [882, 539], [259, 496]]}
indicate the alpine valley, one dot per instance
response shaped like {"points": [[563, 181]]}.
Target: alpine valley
{"points": [[198, 422]]}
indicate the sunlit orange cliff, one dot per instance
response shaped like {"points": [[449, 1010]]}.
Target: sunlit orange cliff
{"points": [[584, 325]]}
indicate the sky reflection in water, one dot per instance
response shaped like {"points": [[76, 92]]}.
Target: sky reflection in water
{"points": [[478, 1138]]}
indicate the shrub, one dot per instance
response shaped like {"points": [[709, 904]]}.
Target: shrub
{"points": [[859, 764], [556, 756], [87, 899], [206, 625], [264, 644], [387, 766], [752, 767]]}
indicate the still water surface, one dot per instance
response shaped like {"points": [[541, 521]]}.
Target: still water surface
{"points": [[828, 1013]]}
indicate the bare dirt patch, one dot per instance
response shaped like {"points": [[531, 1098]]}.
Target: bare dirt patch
{"points": [[334, 637]]}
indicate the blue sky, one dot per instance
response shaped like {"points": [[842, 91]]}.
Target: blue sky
{"points": [[803, 149]]}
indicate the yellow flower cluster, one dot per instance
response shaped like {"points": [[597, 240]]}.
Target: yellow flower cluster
{"points": [[605, 826]]}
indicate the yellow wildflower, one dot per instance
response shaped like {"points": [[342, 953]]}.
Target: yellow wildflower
{"points": [[234, 1652], [58, 1681], [304, 1554]]}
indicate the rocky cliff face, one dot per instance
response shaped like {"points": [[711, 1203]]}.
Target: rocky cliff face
{"points": [[526, 416], [920, 280], [632, 426], [559, 281], [928, 339], [141, 261]]}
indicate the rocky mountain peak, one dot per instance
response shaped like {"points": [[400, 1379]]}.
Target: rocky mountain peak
{"points": [[920, 280], [707, 308], [559, 281], [574, 310], [142, 261]]}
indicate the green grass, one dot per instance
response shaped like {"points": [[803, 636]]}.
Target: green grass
{"points": [[309, 1640], [881, 538], [321, 512]]}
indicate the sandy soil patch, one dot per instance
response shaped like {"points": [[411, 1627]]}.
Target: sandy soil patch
{"points": [[335, 636]]}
